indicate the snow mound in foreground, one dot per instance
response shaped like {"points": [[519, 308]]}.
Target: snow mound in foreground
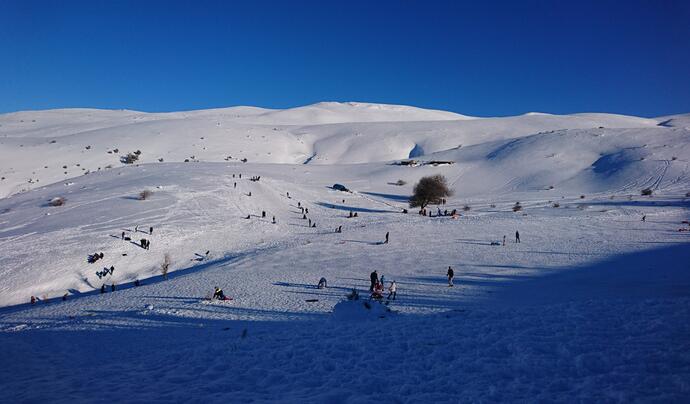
{"points": [[349, 310]]}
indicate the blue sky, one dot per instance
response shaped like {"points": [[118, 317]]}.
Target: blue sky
{"points": [[477, 58]]}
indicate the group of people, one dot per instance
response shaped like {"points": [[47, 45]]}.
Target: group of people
{"points": [[377, 287]]}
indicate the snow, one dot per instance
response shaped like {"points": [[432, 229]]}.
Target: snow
{"points": [[592, 305]]}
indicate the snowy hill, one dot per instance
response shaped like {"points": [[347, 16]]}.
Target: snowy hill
{"points": [[597, 285]]}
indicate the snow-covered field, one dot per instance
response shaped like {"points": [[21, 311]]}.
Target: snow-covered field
{"points": [[592, 306]]}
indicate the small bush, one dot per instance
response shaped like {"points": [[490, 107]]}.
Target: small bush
{"points": [[517, 207], [130, 158], [145, 194], [646, 192], [165, 265], [57, 201]]}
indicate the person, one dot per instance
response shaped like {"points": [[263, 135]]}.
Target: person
{"points": [[263, 213], [288, 194], [355, 214], [274, 220], [248, 216], [450, 274], [299, 204], [644, 218], [313, 224], [142, 243], [123, 235], [374, 277], [234, 185], [218, 294], [151, 230], [112, 287], [350, 214], [306, 210], [517, 236], [382, 280], [112, 269], [504, 239], [438, 211], [137, 283], [309, 222], [322, 283], [392, 290], [136, 228], [304, 217], [386, 242], [33, 299], [378, 291], [250, 193], [64, 297], [103, 288]]}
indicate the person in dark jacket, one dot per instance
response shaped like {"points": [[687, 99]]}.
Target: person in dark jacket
{"points": [[374, 277], [103, 288], [386, 242], [218, 294], [517, 236], [150, 230], [451, 275]]}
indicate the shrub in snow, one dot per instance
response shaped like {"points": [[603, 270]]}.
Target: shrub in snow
{"points": [[646, 192], [130, 158], [57, 201], [517, 207], [145, 194], [430, 190], [165, 265]]}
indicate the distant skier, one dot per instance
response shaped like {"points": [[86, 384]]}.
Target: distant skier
{"points": [[451, 275], [112, 269], [150, 230], [517, 236], [263, 213], [392, 291], [323, 283], [644, 218], [309, 222], [103, 288], [112, 287], [306, 210], [137, 282], [374, 277], [313, 224], [64, 297], [142, 243], [136, 228], [386, 242], [504, 239], [288, 194], [123, 235], [234, 185], [33, 299], [274, 220]]}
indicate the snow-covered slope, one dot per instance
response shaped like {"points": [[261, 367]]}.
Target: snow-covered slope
{"points": [[570, 313], [43, 147]]}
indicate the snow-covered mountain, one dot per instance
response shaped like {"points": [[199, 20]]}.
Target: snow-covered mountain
{"points": [[44, 147], [597, 286]]}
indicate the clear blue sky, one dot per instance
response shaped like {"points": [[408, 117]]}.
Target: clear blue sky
{"points": [[477, 58]]}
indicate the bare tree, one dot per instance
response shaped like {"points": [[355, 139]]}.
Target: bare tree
{"points": [[165, 265], [430, 190]]}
